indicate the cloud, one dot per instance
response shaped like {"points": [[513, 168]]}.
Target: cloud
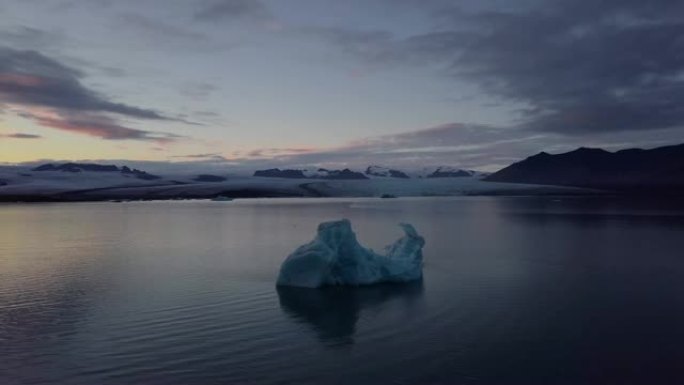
{"points": [[473, 146], [100, 126], [579, 67], [586, 67], [204, 157], [462, 145], [276, 152], [459, 144], [199, 90], [217, 10], [23, 36], [20, 135], [31, 78], [160, 31], [52, 94], [152, 33]]}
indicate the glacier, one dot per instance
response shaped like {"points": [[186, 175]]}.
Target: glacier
{"points": [[335, 257]]}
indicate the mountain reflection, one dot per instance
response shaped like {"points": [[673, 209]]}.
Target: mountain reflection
{"points": [[334, 311]]}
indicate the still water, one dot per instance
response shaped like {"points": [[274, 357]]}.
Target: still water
{"points": [[516, 291]]}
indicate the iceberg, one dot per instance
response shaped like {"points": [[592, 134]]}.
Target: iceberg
{"points": [[335, 257]]}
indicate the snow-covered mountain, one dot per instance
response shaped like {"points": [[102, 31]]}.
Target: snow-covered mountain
{"points": [[445, 172], [451, 172], [84, 181], [93, 167], [385, 172], [50, 180], [320, 173], [372, 171]]}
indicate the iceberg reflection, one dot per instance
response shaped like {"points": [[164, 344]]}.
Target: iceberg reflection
{"points": [[334, 311]]}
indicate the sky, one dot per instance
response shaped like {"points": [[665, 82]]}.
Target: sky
{"points": [[291, 83]]}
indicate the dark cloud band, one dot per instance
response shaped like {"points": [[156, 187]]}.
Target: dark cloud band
{"points": [[20, 135], [54, 97]]}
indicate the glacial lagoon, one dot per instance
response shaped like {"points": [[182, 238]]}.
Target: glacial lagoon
{"points": [[515, 291]]}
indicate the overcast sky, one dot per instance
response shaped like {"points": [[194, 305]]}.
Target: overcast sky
{"points": [[406, 83]]}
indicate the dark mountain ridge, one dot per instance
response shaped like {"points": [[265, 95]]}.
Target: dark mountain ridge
{"points": [[209, 178], [93, 167], [631, 170], [278, 173], [446, 172]]}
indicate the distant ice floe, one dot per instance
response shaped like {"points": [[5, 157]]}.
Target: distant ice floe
{"points": [[335, 257]]}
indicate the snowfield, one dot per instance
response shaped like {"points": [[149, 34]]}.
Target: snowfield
{"points": [[22, 184]]}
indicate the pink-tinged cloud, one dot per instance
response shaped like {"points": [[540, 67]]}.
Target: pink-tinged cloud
{"points": [[104, 130], [21, 80], [201, 156], [96, 125], [277, 152], [456, 144], [29, 78], [53, 95]]}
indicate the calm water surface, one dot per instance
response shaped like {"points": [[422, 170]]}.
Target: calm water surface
{"points": [[516, 291]]}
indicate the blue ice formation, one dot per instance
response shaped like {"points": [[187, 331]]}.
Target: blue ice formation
{"points": [[335, 257]]}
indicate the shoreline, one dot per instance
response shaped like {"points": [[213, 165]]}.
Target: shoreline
{"points": [[252, 194], [245, 188]]}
